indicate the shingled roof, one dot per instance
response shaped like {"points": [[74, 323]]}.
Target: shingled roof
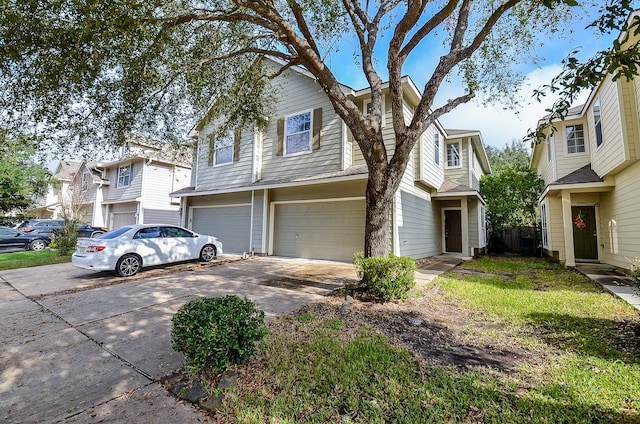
{"points": [[582, 175]]}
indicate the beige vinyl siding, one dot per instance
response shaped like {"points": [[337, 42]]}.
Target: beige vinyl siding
{"points": [[631, 134], [211, 177], [298, 94], [567, 163], [158, 183], [460, 174], [619, 218], [474, 223], [612, 152], [432, 174], [545, 166], [388, 135], [556, 226], [132, 191]]}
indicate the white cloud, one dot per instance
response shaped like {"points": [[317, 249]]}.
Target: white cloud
{"points": [[499, 125]]}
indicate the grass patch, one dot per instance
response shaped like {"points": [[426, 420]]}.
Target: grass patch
{"points": [[322, 366], [31, 258]]}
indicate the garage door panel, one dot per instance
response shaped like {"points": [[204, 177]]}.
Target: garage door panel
{"points": [[322, 230], [230, 224]]}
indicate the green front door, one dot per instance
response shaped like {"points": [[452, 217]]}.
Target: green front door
{"points": [[585, 238]]}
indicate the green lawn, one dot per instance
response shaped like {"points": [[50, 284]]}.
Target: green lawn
{"points": [[582, 366], [31, 258]]}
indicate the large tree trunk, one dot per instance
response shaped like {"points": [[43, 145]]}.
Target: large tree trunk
{"points": [[377, 237]]}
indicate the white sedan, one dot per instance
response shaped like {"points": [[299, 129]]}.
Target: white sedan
{"points": [[127, 249]]}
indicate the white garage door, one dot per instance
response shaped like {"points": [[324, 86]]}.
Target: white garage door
{"points": [[230, 224], [319, 230], [122, 218]]}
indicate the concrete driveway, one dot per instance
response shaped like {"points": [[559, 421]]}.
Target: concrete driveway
{"points": [[80, 346]]}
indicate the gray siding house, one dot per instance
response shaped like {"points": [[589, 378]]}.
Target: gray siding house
{"points": [[133, 189], [297, 188]]}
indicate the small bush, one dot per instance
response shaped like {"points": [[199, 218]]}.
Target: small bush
{"points": [[65, 240], [386, 279], [213, 332]]}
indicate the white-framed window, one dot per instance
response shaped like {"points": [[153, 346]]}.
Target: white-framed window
{"points": [[597, 121], [545, 229], [436, 147], [84, 181], [367, 111], [223, 153], [123, 177], [575, 139], [297, 137], [549, 145], [453, 155]]}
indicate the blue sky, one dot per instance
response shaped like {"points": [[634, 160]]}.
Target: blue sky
{"points": [[497, 125]]}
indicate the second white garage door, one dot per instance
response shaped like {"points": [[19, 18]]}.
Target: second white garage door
{"points": [[331, 230], [230, 224]]}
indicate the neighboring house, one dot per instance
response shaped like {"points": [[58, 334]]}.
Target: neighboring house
{"points": [[590, 208], [58, 193], [133, 189], [297, 188]]}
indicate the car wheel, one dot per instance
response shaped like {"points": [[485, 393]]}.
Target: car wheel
{"points": [[37, 244], [208, 253], [96, 234], [128, 265]]}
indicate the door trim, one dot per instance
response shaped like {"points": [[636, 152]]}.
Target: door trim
{"points": [[443, 227]]}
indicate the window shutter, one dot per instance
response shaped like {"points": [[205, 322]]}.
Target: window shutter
{"points": [[212, 148], [280, 147], [317, 126], [237, 135]]}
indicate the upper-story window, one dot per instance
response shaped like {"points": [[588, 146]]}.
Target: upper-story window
{"points": [[549, 145], [453, 155], [123, 175], [84, 181], [436, 147], [223, 153], [597, 122], [298, 134], [575, 139], [368, 107]]}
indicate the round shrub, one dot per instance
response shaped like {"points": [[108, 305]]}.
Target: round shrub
{"points": [[214, 332], [386, 279]]}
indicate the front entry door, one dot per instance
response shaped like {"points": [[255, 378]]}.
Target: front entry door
{"points": [[453, 230], [585, 237]]}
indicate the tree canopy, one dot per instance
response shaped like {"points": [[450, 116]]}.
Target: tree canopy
{"points": [[511, 155], [21, 177], [81, 73]]}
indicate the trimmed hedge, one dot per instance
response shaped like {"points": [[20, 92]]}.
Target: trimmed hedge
{"points": [[386, 279], [214, 332]]}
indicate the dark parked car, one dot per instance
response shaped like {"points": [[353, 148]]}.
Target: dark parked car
{"points": [[52, 226], [11, 239]]}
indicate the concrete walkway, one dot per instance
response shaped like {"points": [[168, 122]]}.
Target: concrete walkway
{"points": [[613, 281], [436, 265]]}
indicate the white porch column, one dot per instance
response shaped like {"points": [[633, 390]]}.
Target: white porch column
{"points": [[567, 221]]}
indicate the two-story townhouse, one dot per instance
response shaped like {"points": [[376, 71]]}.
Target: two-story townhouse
{"points": [[58, 193], [590, 207], [297, 187], [133, 189]]}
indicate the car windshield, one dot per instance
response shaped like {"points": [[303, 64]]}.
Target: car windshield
{"points": [[115, 233]]}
